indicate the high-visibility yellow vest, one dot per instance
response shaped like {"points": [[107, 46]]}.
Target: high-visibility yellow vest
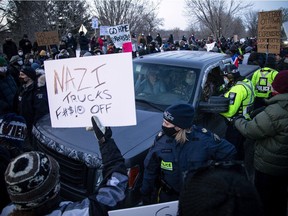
{"points": [[242, 97], [262, 80]]}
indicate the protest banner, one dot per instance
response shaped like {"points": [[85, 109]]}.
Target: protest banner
{"points": [[95, 85], [47, 38], [161, 209], [104, 30], [269, 32], [119, 34]]}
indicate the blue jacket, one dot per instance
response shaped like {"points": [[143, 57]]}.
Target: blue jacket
{"points": [[171, 161]]}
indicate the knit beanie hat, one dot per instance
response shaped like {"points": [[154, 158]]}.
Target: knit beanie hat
{"points": [[280, 83], [3, 62], [219, 191], [29, 71], [180, 115], [32, 179], [13, 129]]}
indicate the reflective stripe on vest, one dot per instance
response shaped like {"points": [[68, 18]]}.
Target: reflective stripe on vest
{"points": [[248, 102]]}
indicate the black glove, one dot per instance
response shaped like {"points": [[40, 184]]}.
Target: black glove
{"points": [[102, 133]]}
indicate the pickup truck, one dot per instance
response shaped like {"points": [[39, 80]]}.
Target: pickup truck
{"points": [[77, 152]]}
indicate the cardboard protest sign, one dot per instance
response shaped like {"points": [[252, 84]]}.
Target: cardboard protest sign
{"points": [[119, 34], [96, 85], [161, 209], [47, 38], [269, 31]]}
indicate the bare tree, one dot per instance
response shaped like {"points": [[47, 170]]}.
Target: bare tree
{"points": [[28, 17], [216, 15], [251, 22], [4, 27], [141, 15]]}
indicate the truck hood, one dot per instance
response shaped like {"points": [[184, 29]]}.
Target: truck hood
{"points": [[80, 144]]}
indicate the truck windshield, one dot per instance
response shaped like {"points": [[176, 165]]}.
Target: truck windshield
{"points": [[164, 84]]}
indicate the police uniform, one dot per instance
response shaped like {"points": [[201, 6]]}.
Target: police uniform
{"points": [[168, 161], [241, 97], [262, 80]]}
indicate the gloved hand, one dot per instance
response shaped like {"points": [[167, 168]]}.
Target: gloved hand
{"points": [[102, 133]]}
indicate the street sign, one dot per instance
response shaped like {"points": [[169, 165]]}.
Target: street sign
{"points": [[82, 28], [94, 23]]}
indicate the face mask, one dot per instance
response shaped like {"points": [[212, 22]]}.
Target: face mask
{"points": [[31, 61], [169, 131], [20, 62], [22, 81], [20, 53], [3, 69], [226, 80]]}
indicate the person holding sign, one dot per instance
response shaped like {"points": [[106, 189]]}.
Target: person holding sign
{"points": [[43, 170], [179, 148]]}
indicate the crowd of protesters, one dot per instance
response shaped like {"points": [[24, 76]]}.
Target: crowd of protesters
{"points": [[24, 100]]}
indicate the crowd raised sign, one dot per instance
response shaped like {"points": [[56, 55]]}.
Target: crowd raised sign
{"points": [[47, 38], [97, 85], [269, 32], [119, 34]]}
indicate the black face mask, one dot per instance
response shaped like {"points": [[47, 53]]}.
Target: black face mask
{"points": [[22, 81], [171, 131]]}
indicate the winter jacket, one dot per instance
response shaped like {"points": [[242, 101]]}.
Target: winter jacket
{"points": [[26, 45], [269, 129], [8, 89], [84, 43], [32, 103], [10, 49], [110, 193], [170, 161]]}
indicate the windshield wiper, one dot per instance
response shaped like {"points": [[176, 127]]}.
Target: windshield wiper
{"points": [[153, 105]]}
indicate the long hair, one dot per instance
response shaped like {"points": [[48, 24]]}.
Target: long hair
{"points": [[181, 136]]}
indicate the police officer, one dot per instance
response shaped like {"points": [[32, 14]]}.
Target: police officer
{"points": [[262, 80], [180, 147], [241, 95]]}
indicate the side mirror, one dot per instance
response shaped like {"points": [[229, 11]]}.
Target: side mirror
{"points": [[215, 104]]}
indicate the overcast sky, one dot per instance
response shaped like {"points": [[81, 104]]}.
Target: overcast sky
{"points": [[172, 11]]}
